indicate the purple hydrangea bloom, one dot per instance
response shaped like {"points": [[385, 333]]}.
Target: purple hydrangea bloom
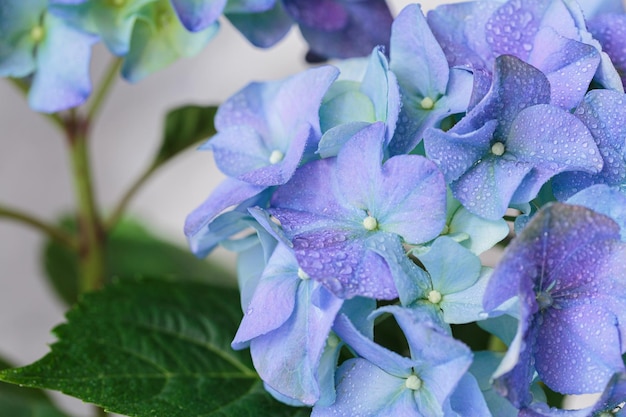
{"points": [[341, 28], [264, 132], [381, 382], [332, 28], [546, 34], [430, 89], [337, 211], [604, 114], [36, 43], [510, 143], [567, 268]]}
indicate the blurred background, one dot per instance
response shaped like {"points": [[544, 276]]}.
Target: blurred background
{"points": [[34, 173]]}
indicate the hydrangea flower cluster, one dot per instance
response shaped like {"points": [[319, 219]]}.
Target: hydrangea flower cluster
{"points": [[49, 42], [367, 191]]}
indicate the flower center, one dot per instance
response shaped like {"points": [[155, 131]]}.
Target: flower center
{"points": [[427, 103], [276, 156], [497, 149], [434, 297], [544, 299], [413, 382], [370, 223], [37, 33], [333, 340], [303, 275]]}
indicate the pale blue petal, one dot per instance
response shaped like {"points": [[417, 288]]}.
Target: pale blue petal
{"points": [[62, 79], [483, 234], [606, 200], [466, 306], [364, 390], [287, 359], [274, 298], [467, 399]]}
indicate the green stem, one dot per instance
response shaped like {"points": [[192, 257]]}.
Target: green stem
{"points": [[119, 210], [100, 412], [104, 88], [92, 238], [49, 230], [54, 117]]}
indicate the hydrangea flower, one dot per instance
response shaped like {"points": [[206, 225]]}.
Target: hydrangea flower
{"points": [[38, 44], [610, 30], [381, 382], [286, 325], [147, 33], [510, 143], [264, 132], [545, 34], [567, 269], [332, 28], [357, 99], [430, 90], [457, 282], [335, 215]]}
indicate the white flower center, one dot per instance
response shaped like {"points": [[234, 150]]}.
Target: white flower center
{"points": [[434, 297], [497, 148], [413, 382], [37, 33], [276, 156], [303, 275], [370, 223], [427, 103], [544, 299], [333, 340]]}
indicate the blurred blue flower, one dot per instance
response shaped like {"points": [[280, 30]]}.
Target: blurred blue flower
{"points": [[37, 44], [566, 268]]}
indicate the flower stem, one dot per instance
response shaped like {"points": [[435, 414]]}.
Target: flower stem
{"points": [[91, 235], [49, 230], [118, 212], [104, 88]]}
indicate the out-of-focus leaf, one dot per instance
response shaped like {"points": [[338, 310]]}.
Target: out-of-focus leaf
{"points": [[184, 127], [131, 251]]}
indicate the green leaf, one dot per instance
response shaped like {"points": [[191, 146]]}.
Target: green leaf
{"points": [[131, 251], [184, 127], [25, 402], [154, 348]]}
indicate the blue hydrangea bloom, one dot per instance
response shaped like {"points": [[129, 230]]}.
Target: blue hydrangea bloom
{"points": [[610, 30], [357, 99], [430, 90], [510, 143], [264, 132], [286, 325], [381, 382], [547, 34], [36, 43], [604, 114], [336, 211], [457, 282], [566, 268]]}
